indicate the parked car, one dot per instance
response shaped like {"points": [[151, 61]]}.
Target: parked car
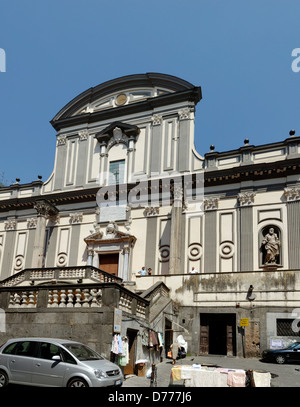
{"points": [[55, 363], [289, 354]]}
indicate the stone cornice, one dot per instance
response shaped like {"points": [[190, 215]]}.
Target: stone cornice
{"points": [[233, 175]]}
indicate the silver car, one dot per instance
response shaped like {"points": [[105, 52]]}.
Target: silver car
{"points": [[55, 363]]}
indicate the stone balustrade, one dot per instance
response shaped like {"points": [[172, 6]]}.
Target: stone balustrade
{"points": [[37, 276], [75, 298], [52, 297], [141, 309], [23, 299]]}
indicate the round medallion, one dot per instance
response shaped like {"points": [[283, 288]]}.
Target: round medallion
{"points": [[121, 99], [61, 259], [164, 253], [19, 262], [195, 251], [227, 250]]}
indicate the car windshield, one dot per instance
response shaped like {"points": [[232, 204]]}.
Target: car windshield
{"points": [[293, 345], [82, 352]]}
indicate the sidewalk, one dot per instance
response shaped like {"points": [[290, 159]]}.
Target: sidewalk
{"points": [[286, 375], [163, 376]]}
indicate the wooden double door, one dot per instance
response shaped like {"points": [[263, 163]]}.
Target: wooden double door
{"points": [[109, 263], [218, 334]]}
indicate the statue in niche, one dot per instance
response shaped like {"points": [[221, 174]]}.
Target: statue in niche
{"points": [[271, 247]]}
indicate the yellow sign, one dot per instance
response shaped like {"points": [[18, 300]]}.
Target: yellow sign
{"points": [[244, 322]]}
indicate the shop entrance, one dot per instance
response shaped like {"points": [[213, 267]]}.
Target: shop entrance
{"points": [[168, 336], [132, 336], [218, 334]]}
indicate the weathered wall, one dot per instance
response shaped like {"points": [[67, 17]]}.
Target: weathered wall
{"points": [[63, 311], [226, 293]]}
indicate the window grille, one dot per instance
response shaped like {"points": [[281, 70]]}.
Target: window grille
{"points": [[284, 327]]}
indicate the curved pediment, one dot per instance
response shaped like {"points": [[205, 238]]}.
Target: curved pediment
{"points": [[121, 93]]}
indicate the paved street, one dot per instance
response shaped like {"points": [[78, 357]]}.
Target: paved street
{"points": [[282, 375]]}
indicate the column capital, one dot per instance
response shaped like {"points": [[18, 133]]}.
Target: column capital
{"points": [[45, 208], [292, 193]]}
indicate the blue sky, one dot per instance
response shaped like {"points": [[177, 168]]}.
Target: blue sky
{"points": [[239, 52]]}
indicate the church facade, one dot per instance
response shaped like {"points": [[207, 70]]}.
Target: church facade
{"points": [[129, 190]]}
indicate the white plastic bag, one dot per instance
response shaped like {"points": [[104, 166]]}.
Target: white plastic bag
{"points": [[148, 374]]}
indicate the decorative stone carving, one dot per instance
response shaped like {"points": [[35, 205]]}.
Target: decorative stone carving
{"points": [[111, 228], [61, 140], [195, 251], [10, 224], [116, 133], [177, 192], [226, 249], [246, 198], [19, 263], [76, 217], [44, 208], [83, 135], [31, 223], [157, 119], [151, 211], [61, 259], [271, 245], [185, 114], [118, 137], [164, 252], [292, 193], [211, 203]]}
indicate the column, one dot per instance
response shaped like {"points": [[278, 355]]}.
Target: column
{"points": [[44, 210], [245, 252], [156, 144], [292, 195], [210, 241], [130, 150], [176, 229], [125, 263], [184, 150], [90, 257], [103, 164]]}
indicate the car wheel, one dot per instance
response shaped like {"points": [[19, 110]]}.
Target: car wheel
{"points": [[280, 359], [77, 382], [3, 379]]}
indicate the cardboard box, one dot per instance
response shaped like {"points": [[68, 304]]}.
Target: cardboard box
{"points": [[141, 369]]}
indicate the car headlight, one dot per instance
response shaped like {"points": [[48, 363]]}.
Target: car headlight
{"points": [[99, 374]]}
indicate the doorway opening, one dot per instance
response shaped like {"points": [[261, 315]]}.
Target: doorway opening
{"points": [[109, 263], [218, 334], [132, 337], [168, 335]]}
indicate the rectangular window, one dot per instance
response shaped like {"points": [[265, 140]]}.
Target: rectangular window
{"points": [[48, 350], [26, 348], [116, 172], [284, 327]]}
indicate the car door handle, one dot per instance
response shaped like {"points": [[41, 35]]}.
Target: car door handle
{"points": [[38, 364], [12, 361]]}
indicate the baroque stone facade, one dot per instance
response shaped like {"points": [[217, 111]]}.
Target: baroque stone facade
{"points": [[128, 189]]}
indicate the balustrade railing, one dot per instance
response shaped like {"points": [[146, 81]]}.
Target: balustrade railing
{"points": [[88, 273], [125, 302], [141, 309], [23, 299], [74, 296]]}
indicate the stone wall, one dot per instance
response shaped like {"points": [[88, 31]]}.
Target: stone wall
{"points": [[81, 312]]}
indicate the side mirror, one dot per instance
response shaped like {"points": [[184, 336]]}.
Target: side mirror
{"points": [[56, 357]]}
